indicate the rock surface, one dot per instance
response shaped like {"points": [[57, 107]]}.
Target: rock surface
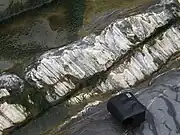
{"points": [[62, 71], [124, 53], [161, 99], [11, 114], [143, 62], [11, 83], [9, 8]]}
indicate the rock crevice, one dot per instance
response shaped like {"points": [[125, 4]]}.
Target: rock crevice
{"points": [[124, 53], [65, 68]]}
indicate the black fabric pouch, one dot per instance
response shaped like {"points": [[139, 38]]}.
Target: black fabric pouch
{"points": [[127, 109]]}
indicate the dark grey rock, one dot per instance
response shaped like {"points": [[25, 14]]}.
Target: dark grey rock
{"points": [[9, 8], [162, 118]]}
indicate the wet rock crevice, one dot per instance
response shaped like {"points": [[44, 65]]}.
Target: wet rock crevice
{"points": [[123, 54]]}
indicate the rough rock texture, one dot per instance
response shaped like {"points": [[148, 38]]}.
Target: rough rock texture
{"points": [[124, 53], [161, 98], [10, 8], [144, 61], [10, 83], [10, 114], [141, 63], [62, 71]]}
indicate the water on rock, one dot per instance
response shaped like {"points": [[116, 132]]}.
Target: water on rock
{"points": [[76, 53]]}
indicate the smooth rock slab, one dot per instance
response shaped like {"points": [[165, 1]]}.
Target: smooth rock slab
{"points": [[163, 103]]}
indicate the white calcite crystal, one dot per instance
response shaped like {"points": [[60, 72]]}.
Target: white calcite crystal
{"points": [[4, 93], [14, 112], [60, 71], [10, 113], [143, 62]]}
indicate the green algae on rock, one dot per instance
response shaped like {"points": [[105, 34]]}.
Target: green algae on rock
{"points": [[58, 74], [9, 8], [63, 70]]}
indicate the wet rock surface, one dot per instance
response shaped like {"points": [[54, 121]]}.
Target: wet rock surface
{"points": [[122, 55], [11, 114], [9, 8], [4, 64], [54, 25], [11, 82], [63, 70], [161, 99], [143, 61]]}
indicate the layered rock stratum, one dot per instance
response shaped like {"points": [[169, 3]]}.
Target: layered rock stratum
{"points": [[122, 55]]}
